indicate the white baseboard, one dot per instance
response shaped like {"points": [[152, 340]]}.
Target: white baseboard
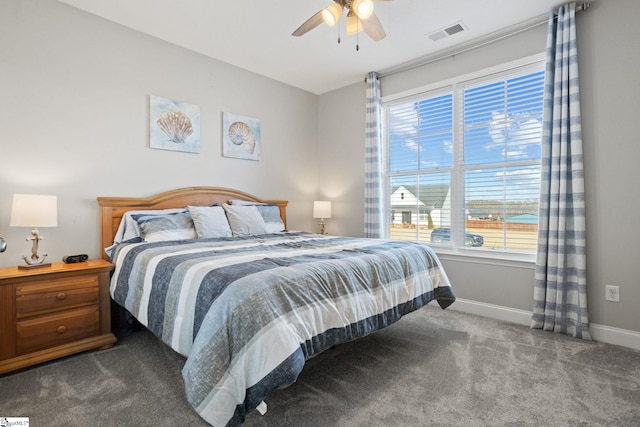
{"points": [[492, 311], [607, 334], [616, 336]]}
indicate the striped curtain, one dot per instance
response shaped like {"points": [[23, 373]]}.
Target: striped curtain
{"points": [[560, 291], [373, 194]]}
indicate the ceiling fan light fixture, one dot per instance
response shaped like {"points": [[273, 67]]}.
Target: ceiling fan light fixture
{"points": [[332, 14], [353, 23], [362, 8], [359, 17]]}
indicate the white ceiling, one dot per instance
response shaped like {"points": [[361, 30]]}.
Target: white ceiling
{"points": [[256, 34]]}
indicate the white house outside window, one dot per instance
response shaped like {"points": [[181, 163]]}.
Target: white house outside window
{"points": [[463, 162]]}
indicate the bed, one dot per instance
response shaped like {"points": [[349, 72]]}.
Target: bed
{"points": [[246, 301]]}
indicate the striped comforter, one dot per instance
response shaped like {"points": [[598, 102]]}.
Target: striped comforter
{"points": [[247, 312]]}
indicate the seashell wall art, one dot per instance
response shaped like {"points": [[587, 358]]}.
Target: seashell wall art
{"points": [[240, 137], [173, 125]]}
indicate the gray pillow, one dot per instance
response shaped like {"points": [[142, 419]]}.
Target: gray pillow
{"points": [[159, 228], [210, 221], [245, 220], [270, 213]]}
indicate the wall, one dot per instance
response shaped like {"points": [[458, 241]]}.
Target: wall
{"points": [[610, 93], [75, 116], [341, 152], [610, 90]]}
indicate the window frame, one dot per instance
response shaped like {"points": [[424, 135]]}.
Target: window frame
{"points": [[456, 86]]}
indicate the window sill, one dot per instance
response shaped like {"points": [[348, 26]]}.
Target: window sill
{"points": [[486, 256]]}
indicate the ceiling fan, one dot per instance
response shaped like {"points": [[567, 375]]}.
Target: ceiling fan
{"points": [[360, 17]]}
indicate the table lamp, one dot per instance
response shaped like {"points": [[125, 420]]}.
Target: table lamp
{"points": [[31, 210], [322, 210]]}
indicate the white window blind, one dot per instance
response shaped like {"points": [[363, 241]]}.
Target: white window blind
{"points": [[463, 164]]}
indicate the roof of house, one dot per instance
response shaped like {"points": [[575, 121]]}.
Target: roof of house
{"points": [[524, 218], [430, 196]]}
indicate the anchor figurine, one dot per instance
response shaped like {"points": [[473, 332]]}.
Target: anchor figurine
{"points": [[35, 260]]}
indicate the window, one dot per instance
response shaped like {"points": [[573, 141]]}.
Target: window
{"points": [[463, 162]]}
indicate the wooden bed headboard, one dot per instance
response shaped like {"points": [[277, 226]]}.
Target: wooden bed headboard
{"points": [[113, 208]]}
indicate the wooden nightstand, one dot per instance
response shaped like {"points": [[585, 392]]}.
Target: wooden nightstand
{"points": [[51, 312]]}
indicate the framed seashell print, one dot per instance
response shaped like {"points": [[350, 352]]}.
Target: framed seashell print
{"points": [[240, 137], [173, 125]]}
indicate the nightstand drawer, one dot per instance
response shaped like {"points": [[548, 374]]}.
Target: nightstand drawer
{"points": [[47, 331], [33, 299]]}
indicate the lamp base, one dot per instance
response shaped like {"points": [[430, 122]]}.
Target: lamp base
{"points": [[34, 266], [322, 229]]}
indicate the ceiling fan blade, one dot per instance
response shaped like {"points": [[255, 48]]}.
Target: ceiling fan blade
{"points": [[373, 28], [309, 25]]}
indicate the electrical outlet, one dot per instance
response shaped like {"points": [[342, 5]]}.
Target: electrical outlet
{"points": [[612, 293]]}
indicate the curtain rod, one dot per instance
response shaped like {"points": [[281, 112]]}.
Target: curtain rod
{"points": [[426, 60]]}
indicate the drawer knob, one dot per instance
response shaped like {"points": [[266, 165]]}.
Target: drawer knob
{"points": [[61, 296], [62, 329]]}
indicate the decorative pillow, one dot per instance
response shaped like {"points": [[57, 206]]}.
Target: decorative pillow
{"points": [[210, 221], [129, 228], [245, 220], [270, 213], [159, 228]]}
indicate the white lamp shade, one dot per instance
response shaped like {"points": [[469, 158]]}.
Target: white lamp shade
{"points": [[31, 210], [332, 13], [321, 209], [363, 8], [353, 24]]}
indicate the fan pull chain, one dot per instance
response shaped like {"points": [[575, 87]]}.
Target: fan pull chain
{"points": [[357, 35]]}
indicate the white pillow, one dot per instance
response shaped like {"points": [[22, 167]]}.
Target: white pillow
{"points": [[172, 226], [269, 212], [245, 220], [210, 221]]}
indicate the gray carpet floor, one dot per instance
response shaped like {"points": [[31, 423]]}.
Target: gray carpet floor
{"points": [[433, 368]]}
